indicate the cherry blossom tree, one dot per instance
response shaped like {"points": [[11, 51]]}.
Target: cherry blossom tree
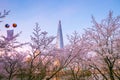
{"points": [[39, 57], [2, 44], [78, 67], [10, 65], [10, 57], [103, 38]]}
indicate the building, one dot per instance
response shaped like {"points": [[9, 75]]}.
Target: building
{"points": [[59, 41]]}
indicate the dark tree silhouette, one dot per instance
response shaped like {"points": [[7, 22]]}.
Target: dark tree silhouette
{"points": [[4, 14]]}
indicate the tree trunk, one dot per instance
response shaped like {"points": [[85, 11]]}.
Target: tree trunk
{"points": [[111, 73]]}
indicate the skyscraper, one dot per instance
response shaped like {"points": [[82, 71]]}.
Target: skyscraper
{"points": [[60, 43], [10, 34]]}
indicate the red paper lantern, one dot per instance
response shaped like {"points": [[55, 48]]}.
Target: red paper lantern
{"points": [[14, 25], [7, 25]]}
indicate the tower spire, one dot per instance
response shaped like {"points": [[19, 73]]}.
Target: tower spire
{"points": [[60, 43]]}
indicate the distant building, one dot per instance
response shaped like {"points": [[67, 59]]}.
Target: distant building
{"points": [[59, 43], [10, 34]]}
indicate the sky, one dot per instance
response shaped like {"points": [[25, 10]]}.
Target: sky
{"points": [[75, 15]]}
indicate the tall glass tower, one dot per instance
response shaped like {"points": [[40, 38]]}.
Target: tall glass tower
{"points": [[60, 43]]}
